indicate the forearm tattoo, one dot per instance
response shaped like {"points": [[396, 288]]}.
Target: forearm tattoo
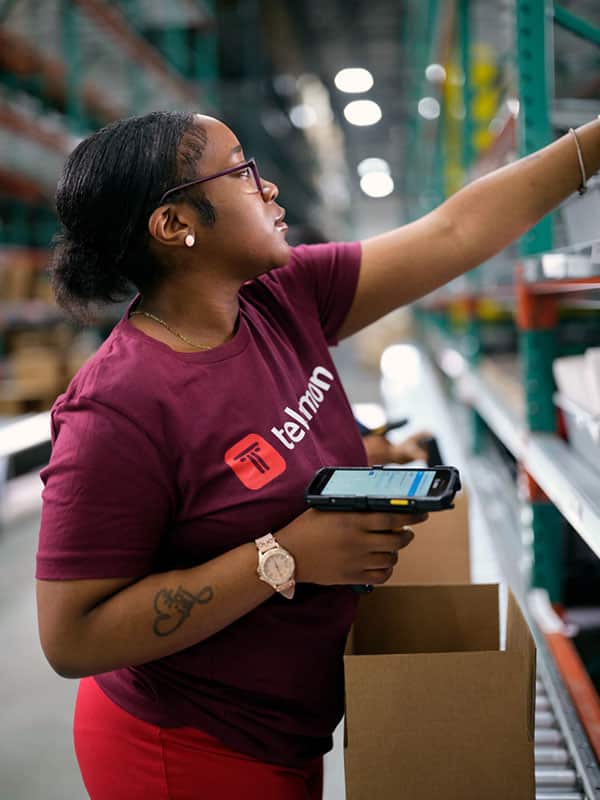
{"points": [[174, 607]]}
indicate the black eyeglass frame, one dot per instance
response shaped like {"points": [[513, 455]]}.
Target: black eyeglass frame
{"points": [[249, 164]]}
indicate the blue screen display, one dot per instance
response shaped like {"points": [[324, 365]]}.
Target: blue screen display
{"points": [[379, 483]]}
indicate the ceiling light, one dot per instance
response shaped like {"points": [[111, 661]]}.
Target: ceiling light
{"points": [[435, 73], [429, 108], [354, 80], [362, 112], [373, 165], [377, 184], [303, 116]]}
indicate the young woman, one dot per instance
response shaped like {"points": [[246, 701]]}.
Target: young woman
{"points": [[179, 575]]}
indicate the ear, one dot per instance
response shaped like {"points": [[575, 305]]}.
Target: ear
{"points": [[170, 224]]}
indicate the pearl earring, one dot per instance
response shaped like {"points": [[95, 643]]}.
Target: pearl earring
{"points": [[190, 241]]}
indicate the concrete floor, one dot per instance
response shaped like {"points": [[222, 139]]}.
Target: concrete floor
{"points": [[36, 753]]}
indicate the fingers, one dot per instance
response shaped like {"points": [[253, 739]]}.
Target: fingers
{"points": [[379, 561], [377, 576], [379, 522], [382, 564], [389, 542], [407, 536]]}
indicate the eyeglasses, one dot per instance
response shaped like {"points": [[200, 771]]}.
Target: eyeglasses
{"points": [[250, 164]]}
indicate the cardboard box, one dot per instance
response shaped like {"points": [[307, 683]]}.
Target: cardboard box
{"points": [[439, 553], [434, 709]]}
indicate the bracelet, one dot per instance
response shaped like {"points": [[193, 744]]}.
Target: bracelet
{"points": [[583, 187]]}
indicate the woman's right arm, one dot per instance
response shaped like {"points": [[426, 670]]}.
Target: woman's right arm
{"points": [[93, 626]]}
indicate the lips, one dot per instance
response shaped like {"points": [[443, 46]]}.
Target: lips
{"points": [[279, 223]]}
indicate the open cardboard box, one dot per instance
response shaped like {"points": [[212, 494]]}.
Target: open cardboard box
{"points": [[439, 553], [434, 709]]}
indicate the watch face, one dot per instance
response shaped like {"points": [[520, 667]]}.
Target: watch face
{"points": [[278, 567]]}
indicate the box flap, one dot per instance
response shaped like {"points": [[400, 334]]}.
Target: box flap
{"points": [[521, 646], [427, 619], [439, 552], [349, 642]]}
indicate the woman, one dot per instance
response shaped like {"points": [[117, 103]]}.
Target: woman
{"points": [[176, 563]]}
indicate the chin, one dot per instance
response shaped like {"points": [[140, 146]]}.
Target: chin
{"points": [[285, 254], [279, 257]]}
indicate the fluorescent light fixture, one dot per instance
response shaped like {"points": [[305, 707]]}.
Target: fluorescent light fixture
{"points": [[362, 112], [429, 108], [373, 165], [377, 184], [435, 73], [354, 80], [303, 116]]}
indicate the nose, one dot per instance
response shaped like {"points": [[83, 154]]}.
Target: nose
{"points": [[270, 191]]}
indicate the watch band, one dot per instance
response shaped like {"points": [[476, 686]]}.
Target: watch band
{"points": [[265, 544]]}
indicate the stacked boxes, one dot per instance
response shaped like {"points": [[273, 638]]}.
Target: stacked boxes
{"points": [[40, 350]]}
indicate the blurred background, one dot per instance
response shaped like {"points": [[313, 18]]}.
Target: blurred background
{"points": [[367, 115]]}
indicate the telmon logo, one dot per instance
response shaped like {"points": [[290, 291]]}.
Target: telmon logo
{"points": [[254, 461], [308, 404]]}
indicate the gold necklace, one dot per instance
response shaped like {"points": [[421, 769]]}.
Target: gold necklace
{"points": [[169, 328]]}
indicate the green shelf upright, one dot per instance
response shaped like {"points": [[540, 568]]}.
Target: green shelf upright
{"points": [[537, 318]]}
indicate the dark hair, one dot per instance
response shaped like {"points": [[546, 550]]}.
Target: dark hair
{"points": [[111, 183]]}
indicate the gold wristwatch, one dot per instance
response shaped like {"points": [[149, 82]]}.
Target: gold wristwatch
{"points": [[276, 566]]}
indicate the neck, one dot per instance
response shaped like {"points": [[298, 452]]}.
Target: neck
{"points": [[204, 318]]}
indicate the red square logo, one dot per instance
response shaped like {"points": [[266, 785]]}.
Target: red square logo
{"points": [[254, 461]]}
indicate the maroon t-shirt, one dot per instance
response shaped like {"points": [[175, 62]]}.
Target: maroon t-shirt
{"points": [[164, 460]]}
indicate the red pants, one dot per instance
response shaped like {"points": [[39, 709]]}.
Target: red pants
{"points": [[123, 758]]}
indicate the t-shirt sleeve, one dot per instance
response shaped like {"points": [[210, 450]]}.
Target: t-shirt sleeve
{"points": [[330, 271], [107, 499]]}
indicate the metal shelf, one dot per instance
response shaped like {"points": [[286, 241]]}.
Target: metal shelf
{"points": [[498, 501], [496, 496], [566, 481]]}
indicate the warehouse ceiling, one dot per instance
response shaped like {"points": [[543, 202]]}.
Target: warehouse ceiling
{"points": [[298, 50], [276, 60]]}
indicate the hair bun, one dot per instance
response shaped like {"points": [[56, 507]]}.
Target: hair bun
{"points": [[81, 274]]}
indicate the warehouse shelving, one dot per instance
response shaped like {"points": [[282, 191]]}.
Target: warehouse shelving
{"points": [[548, 459], [66, 68], [528, 293], [499, 503], [562, 722]]}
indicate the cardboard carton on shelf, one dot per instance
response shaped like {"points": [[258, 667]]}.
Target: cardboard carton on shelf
{"points": [[439, 553], [30, 380], [17, 279], [433, 707]]}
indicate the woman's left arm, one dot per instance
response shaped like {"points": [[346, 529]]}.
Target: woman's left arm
{"points": [[471, 226]]}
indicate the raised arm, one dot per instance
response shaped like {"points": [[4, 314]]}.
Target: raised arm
{"points": [[471, 226]]}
